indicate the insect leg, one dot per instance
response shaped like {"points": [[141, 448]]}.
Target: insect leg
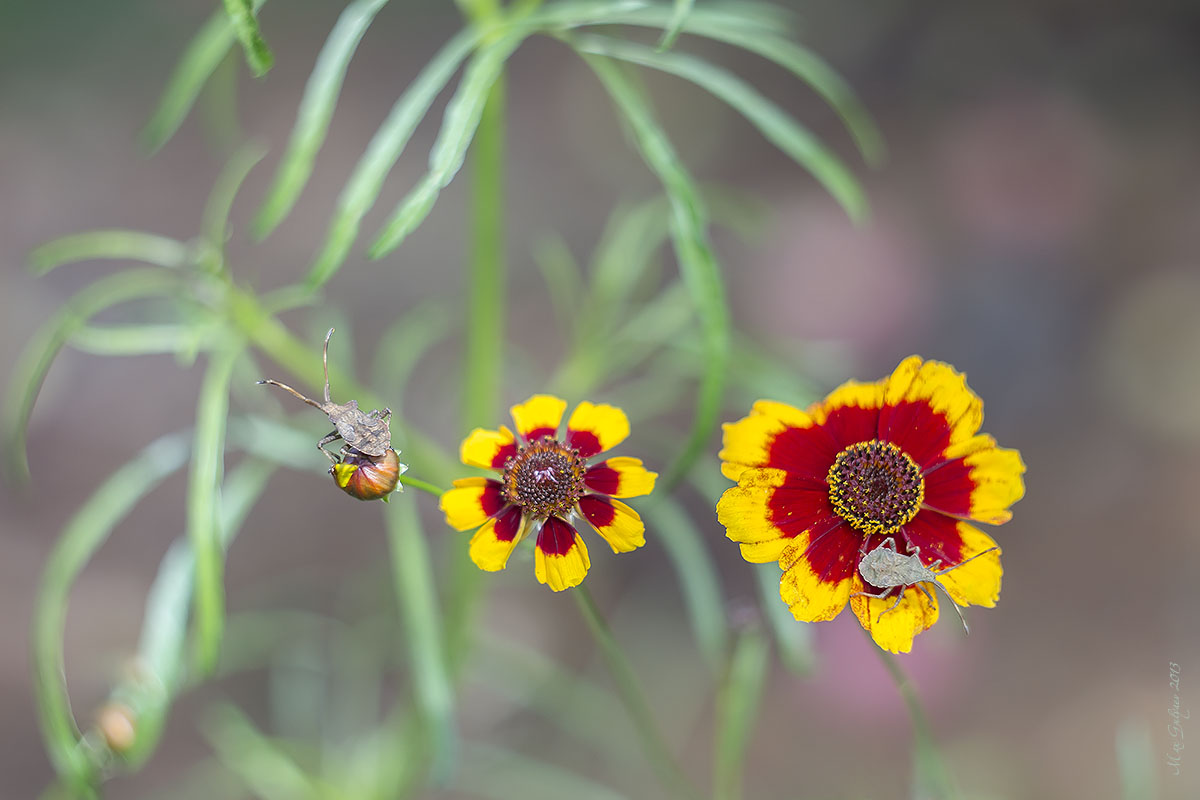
{"points": [[332, 436], [892, 607]]}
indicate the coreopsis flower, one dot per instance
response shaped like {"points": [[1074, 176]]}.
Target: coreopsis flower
{"points": [[547, 489], [900, 459]]}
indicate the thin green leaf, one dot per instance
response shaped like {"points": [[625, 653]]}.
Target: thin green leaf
{"points": [[697, 575], [774, 123], [204, 480], [792, 637], [42, 348], [628, 244], [265, 769], [502, 774], [461, 119], [412, 573], [220, 200], [137, 340], [109, 244], [161, 651], [383, 151], [679, 16], [737, 708], [199, 61], [766, 40], [88, 529], [316, 110], [697, 262], [245, 25]]}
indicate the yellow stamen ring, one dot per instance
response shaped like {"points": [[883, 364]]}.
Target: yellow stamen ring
{"points": [[875, 486]]}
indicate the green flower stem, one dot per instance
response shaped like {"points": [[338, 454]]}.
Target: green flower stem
{"points": [[412, 572], [485, 290], [424, 486], [208, 466], [633, 698], [931, 770]]}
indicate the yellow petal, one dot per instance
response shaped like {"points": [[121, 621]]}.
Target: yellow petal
{"points": [[617, 523], [894, 630], [747, 442], [744, 513], [469, 504], [593, 428], [996, 474], [563, 566], [620, 477], [977, 582], [488, 449], [494, 542], [538, 416], [943, 388], [814, 595]]}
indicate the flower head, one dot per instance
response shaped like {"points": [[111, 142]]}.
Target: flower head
{"points": [[547, 488], [900, 459]]}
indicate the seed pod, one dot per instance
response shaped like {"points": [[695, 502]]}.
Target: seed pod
{"points": [[117, 724], [368, 477]]}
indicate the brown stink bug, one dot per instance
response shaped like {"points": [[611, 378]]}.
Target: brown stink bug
{"points": [[888, 569], [366, 467], [366, 433]]}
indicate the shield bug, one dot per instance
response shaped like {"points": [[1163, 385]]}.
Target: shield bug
{"points": [[888, 569], [366, 467]]}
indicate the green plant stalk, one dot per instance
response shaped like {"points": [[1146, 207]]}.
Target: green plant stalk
{"points": [[931, 770], [412, 575], [737, 709], [483, 360], [634, 700], [208, 457]]}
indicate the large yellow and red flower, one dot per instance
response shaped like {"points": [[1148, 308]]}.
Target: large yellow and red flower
{"points": [[899, 459], [547, 489]]}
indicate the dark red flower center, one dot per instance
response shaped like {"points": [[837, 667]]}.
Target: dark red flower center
{"points": [[875, 486], [545, 478]]}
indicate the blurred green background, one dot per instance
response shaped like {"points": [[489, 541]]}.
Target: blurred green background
{"points": [[1037, 224]]}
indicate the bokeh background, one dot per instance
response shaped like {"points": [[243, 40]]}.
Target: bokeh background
{"points": [[1037, 224]]}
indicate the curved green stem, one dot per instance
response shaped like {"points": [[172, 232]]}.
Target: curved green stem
{"points": [[634, 699], [424, 486], [931, 772]]}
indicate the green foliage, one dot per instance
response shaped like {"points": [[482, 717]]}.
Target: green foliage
{"points": [[653, 330]]}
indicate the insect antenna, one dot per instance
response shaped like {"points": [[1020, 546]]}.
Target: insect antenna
{"points": [[325, 364], [957, 610], [289, 389]]}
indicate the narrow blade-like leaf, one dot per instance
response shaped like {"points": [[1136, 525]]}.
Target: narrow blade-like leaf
{"points": [[450, 150], [245, 26], [42, 348], [208, 463], [315, 112], [109, 244], [199, 61], [679, 17], [88, 529], [697, 262], [737, 709], [384, 149], [774, 123]]}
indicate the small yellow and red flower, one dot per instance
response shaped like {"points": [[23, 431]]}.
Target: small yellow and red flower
{"points": [[547, 489], [900, 458]]}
